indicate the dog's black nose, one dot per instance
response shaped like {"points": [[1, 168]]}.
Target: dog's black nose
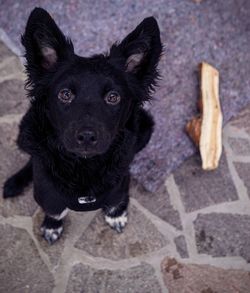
{"points": [[86, 137]]}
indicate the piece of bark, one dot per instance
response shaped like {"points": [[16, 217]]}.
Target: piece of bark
{"points": [[193, 128], [206, 130]]}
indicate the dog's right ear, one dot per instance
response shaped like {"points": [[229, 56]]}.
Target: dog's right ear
{"points": [[139, 53], [44, 43]]}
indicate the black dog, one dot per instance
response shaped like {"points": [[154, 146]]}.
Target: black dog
{"points": [[85, 122]]}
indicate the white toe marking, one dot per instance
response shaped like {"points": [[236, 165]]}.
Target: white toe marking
{"points": [[122, 220], [53, 234]]}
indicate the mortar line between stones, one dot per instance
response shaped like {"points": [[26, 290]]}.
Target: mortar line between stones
{"points": [[79, 228], [110, 264], [11, 76], [241, 159], [159, 276], [11, 118], [67, 260], [61, 279], [224, 262], [224, 207], [235, 132], [155, 262], [164, 227], [186, 220]]}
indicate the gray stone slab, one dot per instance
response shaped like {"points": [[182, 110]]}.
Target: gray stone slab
{"points": [[11, 161], [181, 246], [139, 237], [240, 146], [183, 278], [21, 267], [139, 279], [243, 170], [157, 203], [213, 31], [199, 188], [4, 52], [13, 97], [223, 235]]}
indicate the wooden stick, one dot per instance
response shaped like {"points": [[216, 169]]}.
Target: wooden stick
{"points": [[206, 131], [211, 126]]}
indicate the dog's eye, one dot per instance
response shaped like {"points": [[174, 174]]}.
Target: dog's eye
{"points": [[112, 98], [66, 96]]}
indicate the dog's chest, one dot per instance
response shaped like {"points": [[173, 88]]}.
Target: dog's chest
{"points": [[82, 178], [87, 179], [85, 189]]}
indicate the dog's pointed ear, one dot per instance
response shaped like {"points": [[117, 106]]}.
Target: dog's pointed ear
{"points": [[140, 51], [44, 43]]}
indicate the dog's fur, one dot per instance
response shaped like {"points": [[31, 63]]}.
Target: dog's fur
{"points": [[85, 122]]}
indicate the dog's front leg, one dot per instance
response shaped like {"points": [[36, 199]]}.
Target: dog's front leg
{"points": [[115, 209], [48, 198]]}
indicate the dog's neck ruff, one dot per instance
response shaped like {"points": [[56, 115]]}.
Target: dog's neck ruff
{"points": [[86, 199]]}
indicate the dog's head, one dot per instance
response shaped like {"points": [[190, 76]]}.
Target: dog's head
{"points": [[89, 100]]}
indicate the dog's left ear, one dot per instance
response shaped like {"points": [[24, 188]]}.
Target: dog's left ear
{"points": [[140, 51]]}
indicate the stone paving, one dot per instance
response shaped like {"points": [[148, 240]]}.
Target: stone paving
{"points": [[192, 31], [192, 235]]}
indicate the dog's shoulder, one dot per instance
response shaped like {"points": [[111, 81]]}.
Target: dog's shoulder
{"points": [[33, 129], [142, 126]]}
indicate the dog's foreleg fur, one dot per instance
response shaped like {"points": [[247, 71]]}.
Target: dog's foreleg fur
{"points": [[52, 226]]}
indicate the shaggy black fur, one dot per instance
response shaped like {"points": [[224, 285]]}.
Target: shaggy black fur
{"points": [[85, 122]]}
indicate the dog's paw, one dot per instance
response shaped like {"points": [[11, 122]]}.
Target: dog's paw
{"points": [[51, 235], [117, 223]]}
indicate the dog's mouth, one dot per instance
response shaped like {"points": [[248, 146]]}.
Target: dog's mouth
{"points": [[82, 152], [85, 154]]}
